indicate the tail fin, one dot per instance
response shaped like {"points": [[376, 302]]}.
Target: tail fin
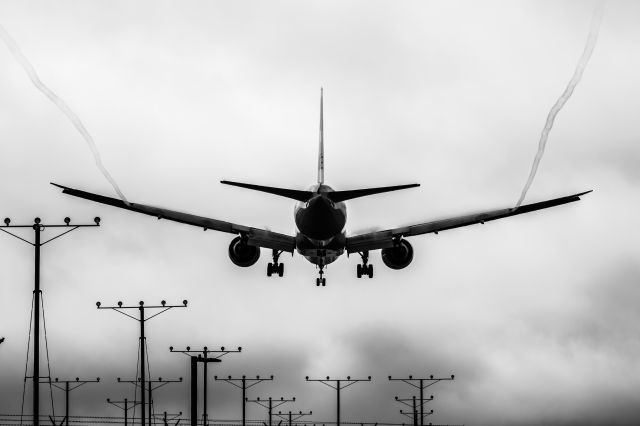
{"points": [[321, 148]]}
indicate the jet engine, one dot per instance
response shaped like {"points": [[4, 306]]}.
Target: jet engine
{"points": [[399, 256], [243, 254]]}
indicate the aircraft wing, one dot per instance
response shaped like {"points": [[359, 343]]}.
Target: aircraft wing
{"points": [[256, 237], [383, 239]]}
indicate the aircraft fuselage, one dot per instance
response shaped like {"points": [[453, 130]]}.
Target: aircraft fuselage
{"points": [[321, 236]]}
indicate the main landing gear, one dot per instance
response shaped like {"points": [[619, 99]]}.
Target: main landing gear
{"points": [[320, 281], [275, 267], [364, 268]]}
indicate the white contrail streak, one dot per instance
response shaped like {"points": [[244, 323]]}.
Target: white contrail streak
{"points": [[75, 120], [596, 19]]}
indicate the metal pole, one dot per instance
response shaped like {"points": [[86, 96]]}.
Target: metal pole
{"points": [[194, 391], [338, 388], [66, 401], [126, 410], [150, 403], [270, 409], [421, 402], [36, 330], [244, 401], [415, 412], [142, 376], [290, 418], [204, 385]]}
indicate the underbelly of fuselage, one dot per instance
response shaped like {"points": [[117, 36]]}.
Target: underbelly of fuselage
{"points": [[321, 238], [321, 252]]}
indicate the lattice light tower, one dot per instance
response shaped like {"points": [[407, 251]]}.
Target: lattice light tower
{"points": [[421, 386], [241, 383], [205, 354], [292, 417], [125, 406], [270, 404], [38, 227], [338, 385], [163, 307]]}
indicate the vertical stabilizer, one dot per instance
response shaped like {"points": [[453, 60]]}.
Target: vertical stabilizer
{"points": [[321, 148]]}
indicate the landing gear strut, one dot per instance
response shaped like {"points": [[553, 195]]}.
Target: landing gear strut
{"points": [[320, 281], [364, 268], [275, 267]]}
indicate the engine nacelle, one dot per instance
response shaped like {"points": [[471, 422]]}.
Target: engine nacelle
{"points": [[243, 254], [399, 256]]}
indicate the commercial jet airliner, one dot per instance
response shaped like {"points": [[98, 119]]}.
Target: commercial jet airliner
{"points": [[320, 216]]}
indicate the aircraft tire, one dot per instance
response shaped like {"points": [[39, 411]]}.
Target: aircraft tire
{"points": [[269, 269], [359, 270], [370, 271], [281, 269]]}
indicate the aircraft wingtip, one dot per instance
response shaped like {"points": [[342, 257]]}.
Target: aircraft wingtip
{"points": [[59, 186]]}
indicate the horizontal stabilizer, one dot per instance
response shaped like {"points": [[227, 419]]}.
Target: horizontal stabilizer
{"points": [[295, 194], [337, 196]]}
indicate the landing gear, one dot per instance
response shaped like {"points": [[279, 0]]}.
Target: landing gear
{"points": [[320, 281], [275, 267], [365, 268]]}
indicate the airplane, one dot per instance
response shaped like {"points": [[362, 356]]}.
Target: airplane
{"points": [[320, 216]]}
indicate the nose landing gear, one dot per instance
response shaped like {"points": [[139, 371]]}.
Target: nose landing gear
{"points": [[320, 281], [275, 267], [365, 268]]}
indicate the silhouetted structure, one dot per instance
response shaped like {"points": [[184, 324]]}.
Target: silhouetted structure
{"points": [[165, 418], [205, 352], [414, 410], [243, 385], [292, 417], [38, 227], [76, 384], [124, 405], [269, 405], [421, 386], [338, 385], [150, 388], [164, 307]]}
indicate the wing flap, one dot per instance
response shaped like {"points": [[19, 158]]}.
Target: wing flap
{"points": [[257, 237], [384, 239]]}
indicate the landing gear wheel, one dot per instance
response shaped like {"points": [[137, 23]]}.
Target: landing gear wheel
{"points": [[275, 267], [364, 268], [321, 281]]}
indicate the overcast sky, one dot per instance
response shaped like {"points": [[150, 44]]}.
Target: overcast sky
{"points": [[536, 315]]}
